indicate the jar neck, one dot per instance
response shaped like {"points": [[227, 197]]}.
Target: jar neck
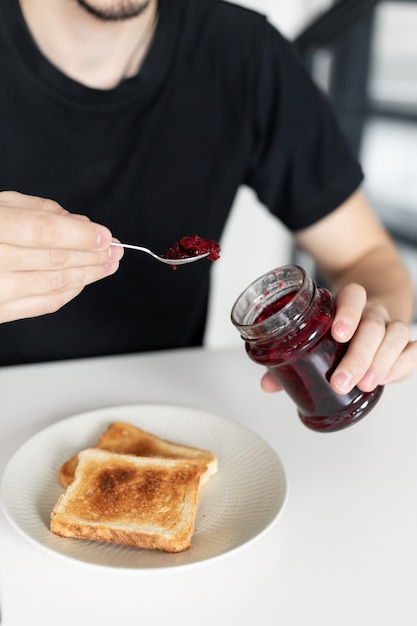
{"points": [[288, 282]]}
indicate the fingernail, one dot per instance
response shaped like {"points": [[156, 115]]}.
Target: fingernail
{"points": [[115, 253], [103, 239], [369, 380], [343, 329], [111, 267], [343, 380]]}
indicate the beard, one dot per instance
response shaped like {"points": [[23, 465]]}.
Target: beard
{"points": [[114, 10]]}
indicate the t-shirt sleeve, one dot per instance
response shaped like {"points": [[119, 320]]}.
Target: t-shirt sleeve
{"points": [[302, 167]]}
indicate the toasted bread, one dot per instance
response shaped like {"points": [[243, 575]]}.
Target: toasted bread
{"points": [[125, 438], [144, 502]]}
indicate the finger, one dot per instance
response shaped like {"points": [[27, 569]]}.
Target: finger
{"points": [[405, 364], [269, 383], [350, 302], [16, 285], [395, 340], [35, 306], [361, 351], [78, 216], [14, 199], [49, 229], [16, 258]]}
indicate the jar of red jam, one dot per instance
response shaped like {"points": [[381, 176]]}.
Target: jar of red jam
{"points": [[285, 321]]}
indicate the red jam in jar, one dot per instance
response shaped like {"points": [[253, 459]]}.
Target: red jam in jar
{"points": [[285, 320]]}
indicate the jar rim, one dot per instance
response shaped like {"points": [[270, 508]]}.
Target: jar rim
{"points": [[267, 289]]}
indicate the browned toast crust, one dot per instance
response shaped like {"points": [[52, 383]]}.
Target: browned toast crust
{"points": [[144, 502], [124, 438]]}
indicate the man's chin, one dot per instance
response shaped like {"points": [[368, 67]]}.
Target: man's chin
{"points": [[114, 10]]}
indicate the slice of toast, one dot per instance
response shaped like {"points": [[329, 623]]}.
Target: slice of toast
{"points": [[125, 438], [144, 502]]}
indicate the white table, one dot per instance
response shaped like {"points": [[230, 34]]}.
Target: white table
{"points": [[343, 552]]}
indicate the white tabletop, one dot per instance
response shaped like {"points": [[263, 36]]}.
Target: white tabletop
{"points": [[343, 552]]}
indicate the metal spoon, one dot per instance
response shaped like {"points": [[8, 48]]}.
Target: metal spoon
{"points": [[175, 262]]}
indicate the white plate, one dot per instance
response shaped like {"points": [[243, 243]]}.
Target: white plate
{"points": [[236, 506]]}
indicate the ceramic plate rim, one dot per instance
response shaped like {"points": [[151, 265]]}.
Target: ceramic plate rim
{"points": [[162, 418]]}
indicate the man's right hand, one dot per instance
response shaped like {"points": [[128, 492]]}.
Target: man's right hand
{"points": [[47, 255]]}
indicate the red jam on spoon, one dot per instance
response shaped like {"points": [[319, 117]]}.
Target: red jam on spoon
{"points": [[193, 246]]}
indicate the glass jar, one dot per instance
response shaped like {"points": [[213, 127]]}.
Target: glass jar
{"points": [[285, 320]]}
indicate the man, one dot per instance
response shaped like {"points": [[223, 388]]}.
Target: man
{"points": [[146, 116]]}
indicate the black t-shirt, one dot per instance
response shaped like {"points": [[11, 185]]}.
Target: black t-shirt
{"points": [[221, 101]]}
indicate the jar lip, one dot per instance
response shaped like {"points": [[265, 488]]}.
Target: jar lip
{"points": [[265, 290]]}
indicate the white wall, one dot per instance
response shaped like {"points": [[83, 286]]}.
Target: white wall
{"points": [[288, 15], [254, 242]]}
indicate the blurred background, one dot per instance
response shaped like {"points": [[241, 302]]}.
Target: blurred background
{"points": [[364, 55]]}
